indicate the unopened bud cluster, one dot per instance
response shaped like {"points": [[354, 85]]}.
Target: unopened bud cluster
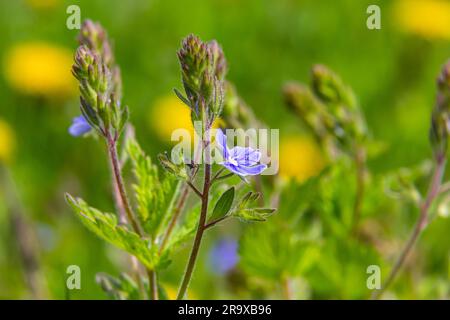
{"points": [[203, 68], [99, 81], [329, 108], [440, 119]]}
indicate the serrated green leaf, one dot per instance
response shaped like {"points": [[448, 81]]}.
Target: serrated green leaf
{"points": [[155, 194], [224, 204], [105, 226], [185, 229]]}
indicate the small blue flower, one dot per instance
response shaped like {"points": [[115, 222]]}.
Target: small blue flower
{"points": [[223, 257], [79, 126], [239, 160]]}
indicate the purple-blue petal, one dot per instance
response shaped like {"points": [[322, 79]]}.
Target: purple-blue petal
{"points": [[245, 170], [79, 126], [252, 171], [221, 140], [245, 156]]}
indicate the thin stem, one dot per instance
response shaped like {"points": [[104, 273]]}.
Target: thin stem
{"points": [[200, 227], [359, 197], [123, 219], [153, 283], [112, 148], [176, 214], [422, 222], [181, 202], [286, 288], [197, 192], [137, 275], [217, 174], [225, 176], [214, 222]]}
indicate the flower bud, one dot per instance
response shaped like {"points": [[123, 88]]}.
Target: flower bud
{"points": [[219, 62], [440, 119], [203, 68], [95, 38], [329, 87]]}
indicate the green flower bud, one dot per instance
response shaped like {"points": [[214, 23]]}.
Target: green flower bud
{"points": [[203, 68], [95, 38], [219, 62]]}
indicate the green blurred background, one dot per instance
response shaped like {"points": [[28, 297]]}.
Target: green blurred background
{"points": [[267, 43]]}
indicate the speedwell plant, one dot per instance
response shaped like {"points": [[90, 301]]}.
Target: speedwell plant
{"points": [[152, 223]]}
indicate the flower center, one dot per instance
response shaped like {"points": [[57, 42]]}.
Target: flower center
{"points": [[232, 161]]}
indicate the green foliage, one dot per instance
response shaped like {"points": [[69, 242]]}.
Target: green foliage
{"points": [[105, 226], [185, 229], [121, 288], [246, 213], [223, 205], [273, 253], [341, 269], [155, 194]]}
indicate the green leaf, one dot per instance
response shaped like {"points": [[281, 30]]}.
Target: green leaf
{"points": [[155, 194], [223, 205], [254, 214], [182, 97], [124, 116], [121, 288], [185, 229], [178, 170], [270, 253], [105, 226], [243, 212]]}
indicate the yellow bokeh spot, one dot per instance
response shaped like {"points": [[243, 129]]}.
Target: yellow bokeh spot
{"points": [[43, 4], [300, 158], [39, 68], [7, 142], [169, 114], [426, 18]]}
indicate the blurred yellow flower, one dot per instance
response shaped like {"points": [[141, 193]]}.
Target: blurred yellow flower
{"points": [[426, 18], [43, 4], [169, 114], [40, 69], [7, 142], [300, 158]]}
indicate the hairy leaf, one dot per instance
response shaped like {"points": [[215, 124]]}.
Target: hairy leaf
{"points": [[155, 193], [105, 226]]}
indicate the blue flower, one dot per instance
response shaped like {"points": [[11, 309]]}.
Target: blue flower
{"points": [[79, 126], [223, 257], [239, 160]]}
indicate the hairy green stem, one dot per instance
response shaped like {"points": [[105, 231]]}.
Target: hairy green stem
{"points": [[112, 150], [422, 222]]}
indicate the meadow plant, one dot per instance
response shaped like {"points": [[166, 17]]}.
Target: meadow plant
{"points": [[330, 111], [148, 225], [323, 235]]}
